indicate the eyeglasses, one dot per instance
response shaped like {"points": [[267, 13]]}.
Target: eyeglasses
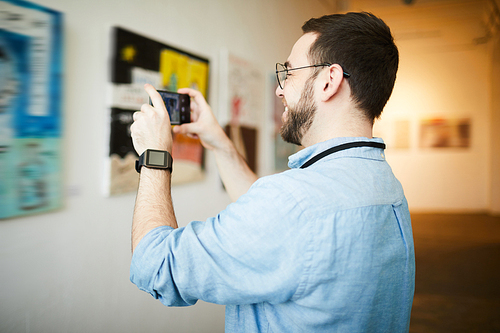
{"points": [[282, 72]]}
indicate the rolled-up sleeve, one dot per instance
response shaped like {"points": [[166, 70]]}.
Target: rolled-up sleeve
{"points": [[148, 266], [247, 254]]}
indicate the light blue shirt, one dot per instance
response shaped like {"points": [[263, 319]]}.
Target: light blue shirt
{"points": [[328, 248]]}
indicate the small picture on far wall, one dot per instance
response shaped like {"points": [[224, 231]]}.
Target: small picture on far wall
{"points": [[445, 133]]}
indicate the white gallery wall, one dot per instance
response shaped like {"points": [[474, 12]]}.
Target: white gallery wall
{"points": [[68, 271]]}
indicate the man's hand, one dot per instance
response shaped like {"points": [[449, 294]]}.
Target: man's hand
{"points": [[233, 169], [204, 125], [151, 128]]}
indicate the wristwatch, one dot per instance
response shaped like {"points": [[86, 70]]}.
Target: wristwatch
{"points": [[154, 159]]}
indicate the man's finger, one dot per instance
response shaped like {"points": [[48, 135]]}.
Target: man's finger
{"points": [[195, 94], [185, 128], [136, 115], [145, 108], [155, 96]]}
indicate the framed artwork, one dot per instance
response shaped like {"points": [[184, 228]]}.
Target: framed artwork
{"points": [[30, 108], [243, 102], [396, 133], [136, 60], [445, 133]]}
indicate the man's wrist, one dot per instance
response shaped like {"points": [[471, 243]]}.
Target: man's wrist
{"points": [[154, 159], [154, 172]]}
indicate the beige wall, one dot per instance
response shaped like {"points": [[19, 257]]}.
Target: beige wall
{"points": [[444, 73], [495, 128], [442, 84]]}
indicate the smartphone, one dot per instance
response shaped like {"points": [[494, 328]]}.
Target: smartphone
{"points": [[178, 106]]}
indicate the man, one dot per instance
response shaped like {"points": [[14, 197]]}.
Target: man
{"points": [[324, 247]]}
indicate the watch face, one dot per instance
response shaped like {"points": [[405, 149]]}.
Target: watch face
{"points": [[156, 158]]}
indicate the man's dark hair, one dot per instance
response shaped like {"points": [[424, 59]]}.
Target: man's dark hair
{"points": [[363, 45]]}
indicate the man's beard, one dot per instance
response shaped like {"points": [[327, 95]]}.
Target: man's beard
{"points": [[300, 116]]}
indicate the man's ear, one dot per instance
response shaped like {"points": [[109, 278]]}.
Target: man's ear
{"points": [[331, 81]]}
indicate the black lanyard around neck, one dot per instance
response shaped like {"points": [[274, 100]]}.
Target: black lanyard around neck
{"points": [[338, 148]]}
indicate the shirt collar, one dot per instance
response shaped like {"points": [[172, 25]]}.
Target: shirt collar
{"points": [[299, 158]]}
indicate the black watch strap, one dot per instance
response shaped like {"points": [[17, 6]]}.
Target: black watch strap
{"points": [[154, 159]]}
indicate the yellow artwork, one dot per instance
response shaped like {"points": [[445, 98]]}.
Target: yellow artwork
{"points": [[174, 67], [199, 76], [137, 60], [128, 53], [180, 71]]}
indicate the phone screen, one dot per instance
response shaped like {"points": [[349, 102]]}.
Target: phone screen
{"points": [[178, 106]]}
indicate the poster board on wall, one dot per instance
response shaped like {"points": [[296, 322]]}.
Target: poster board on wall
{"points": [[30, 108], [396, 132], [136, 60], [242, 108], [442, 132]]}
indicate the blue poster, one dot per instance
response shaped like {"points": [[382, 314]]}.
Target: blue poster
{"points": [[30, 108]]}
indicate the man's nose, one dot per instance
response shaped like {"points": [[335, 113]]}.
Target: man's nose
{"points": [[279, 91]]}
